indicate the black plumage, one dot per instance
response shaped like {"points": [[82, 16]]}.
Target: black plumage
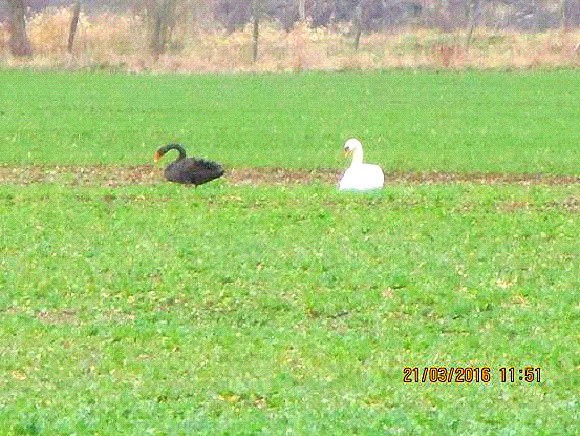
{"points": [[187, 170]]}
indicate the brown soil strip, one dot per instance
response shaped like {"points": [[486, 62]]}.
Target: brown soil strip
{"points": [[111, 175], [58, 317]]}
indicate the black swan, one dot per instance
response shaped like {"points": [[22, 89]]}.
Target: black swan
{"points": [[187, 170]]}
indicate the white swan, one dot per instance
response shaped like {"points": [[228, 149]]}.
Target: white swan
{"points": [[360, 176]]}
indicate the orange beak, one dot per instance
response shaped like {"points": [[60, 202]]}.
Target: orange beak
{"points": [[156, 157]]}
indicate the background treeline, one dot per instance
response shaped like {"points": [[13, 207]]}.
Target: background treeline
{"points": [[292, 34], [375, 15]]}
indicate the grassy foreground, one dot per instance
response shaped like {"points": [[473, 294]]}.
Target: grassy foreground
{"points": [[254, 308], [470, 121], [243, 309]]}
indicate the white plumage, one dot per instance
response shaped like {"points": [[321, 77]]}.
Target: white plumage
{"points": [[360, 176]]}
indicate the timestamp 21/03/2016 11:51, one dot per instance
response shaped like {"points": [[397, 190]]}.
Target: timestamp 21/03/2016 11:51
{"points": [[440, 374]]}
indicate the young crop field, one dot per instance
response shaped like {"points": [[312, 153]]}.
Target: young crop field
{"points": [[523, 122], [268, 301]]}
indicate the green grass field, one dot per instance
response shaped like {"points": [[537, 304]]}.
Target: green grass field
{"points": [[244, 309], [472, 121]]}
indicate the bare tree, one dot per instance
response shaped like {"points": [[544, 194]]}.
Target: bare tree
{"points": [[474, 10], [74, 22], [18, 42], [568, 10], [162, 18], [302, 10], [256, 28], [357, 22]]}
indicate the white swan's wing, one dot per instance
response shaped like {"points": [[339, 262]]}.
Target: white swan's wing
{"points": [[375, 176], [362, 178], [348, 180]]}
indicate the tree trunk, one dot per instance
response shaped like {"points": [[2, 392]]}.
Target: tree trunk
{"points": [[568, 10], [18, 42], [162, 17], [535, 17], [473, 17], [357, 25], [256, 14], [155, 44], [74, 22], [255, 35], [302, 10]]}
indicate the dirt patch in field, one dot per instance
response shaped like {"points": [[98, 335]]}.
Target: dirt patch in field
{"points": [[99, 175], [112, 175], [58, 317]]}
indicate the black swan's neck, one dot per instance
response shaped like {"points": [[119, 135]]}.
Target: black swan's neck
{"points": [[177, 147]]}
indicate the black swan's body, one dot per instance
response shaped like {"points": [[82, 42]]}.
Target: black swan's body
{"points": [[187, 170]]}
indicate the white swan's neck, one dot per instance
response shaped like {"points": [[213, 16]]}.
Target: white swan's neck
{"points": [[357, 156]]}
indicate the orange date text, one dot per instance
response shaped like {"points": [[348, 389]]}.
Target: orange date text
{"points": [[441, 374]]}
